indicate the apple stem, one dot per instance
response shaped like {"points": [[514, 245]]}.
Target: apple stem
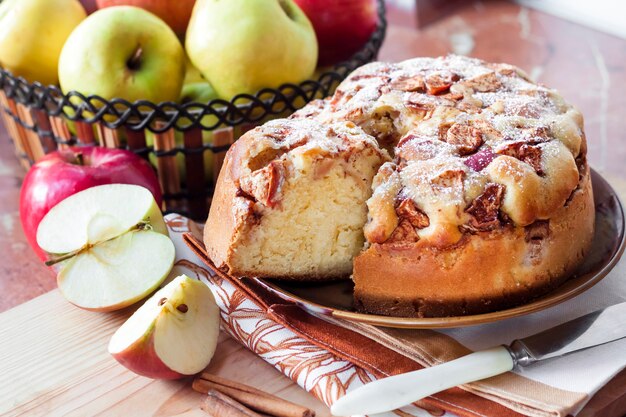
{"points": [[80, 159], [135, 61], [54, 261], [142, 225]]}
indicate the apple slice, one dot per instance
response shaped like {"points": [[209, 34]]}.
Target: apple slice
{"points": [[110, 245], [172, 335]]}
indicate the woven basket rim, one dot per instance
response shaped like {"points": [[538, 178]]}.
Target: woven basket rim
{"points": [[160, 117]]}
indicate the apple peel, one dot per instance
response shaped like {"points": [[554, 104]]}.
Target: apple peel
{"points": [[172, 335]]}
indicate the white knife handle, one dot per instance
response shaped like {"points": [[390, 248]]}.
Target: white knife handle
{"points": [[400, 390]]}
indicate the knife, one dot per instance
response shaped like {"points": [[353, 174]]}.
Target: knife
{"points": [[593, 329]]}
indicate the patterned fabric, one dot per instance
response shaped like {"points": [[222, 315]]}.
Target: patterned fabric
{"points": [[316, 370], [330, 357]]}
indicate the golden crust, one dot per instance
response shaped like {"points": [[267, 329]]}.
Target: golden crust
{"points": [[265, 212], [472, 277], [485, 162], [229, 210]]}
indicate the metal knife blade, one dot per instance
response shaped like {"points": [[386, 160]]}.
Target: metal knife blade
{"points": [[593, 329]]}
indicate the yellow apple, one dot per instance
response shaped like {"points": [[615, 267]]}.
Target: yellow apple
{"points": [[241, 46], [123, 52], [32, 34]]}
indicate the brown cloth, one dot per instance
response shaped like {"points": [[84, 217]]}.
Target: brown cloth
{"points": [[355, 347]]}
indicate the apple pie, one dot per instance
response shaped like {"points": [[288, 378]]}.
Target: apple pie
{"points": [[485, 204]]}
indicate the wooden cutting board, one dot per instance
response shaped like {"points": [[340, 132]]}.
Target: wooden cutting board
{"points": [[54, 362]]}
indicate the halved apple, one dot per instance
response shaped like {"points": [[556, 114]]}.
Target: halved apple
{"points": [[110, 245], [172, 335]]}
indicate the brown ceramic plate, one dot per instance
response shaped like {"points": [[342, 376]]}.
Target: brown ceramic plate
{"points": [[335, 298]]}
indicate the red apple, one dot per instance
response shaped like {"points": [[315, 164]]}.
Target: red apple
{"points": [[342, 26], [175, 13], [89, 5], [63, 173], [173, 334]]}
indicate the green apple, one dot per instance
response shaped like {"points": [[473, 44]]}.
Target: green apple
{"points": [[197, 92], [241, 46], [32, 34], [110, 245], [123, 52], [173, 334], [192, 74]]}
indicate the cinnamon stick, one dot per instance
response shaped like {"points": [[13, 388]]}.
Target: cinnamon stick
{"points": [[220, 405], [256, 399]]}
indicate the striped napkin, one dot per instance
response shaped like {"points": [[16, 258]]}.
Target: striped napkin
{"points": [[329, 357]]}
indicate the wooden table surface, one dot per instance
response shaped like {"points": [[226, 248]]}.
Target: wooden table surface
{"points": [[588, 67]]}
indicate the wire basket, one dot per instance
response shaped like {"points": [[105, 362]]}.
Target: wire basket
{"points": [[186, 143]]}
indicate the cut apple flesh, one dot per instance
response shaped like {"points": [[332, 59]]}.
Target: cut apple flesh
{"points": [[118, 272], [173, 334], [110, 245], [96, 215]]}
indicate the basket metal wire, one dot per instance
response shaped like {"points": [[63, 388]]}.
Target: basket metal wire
{"points": [[41, 119]]}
